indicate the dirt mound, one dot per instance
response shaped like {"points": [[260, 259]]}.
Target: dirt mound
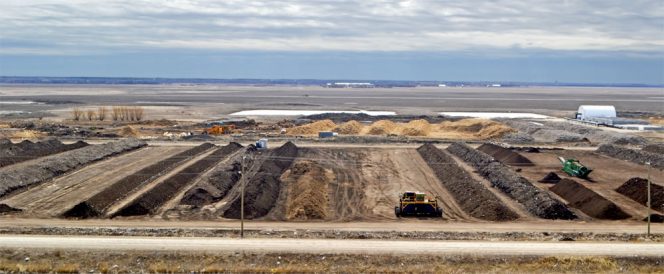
{"points": [[263, 185], [128, 131], [550, 178], [215, 187], [632, 155], [536, 201], [312, 128], [307, 194], [26, 150], [100, 202], [7, 209], [152, 200], [416, 128], [591, 203], [382, 127], [481, 128], [505, 155], [636, 189], [471, 195], [351, 127], [14, 177], [654, 148]]}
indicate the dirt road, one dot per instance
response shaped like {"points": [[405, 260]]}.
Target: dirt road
{"points": [[55, 197], [328, 246]]}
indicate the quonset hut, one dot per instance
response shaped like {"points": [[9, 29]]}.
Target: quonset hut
{"points": [[590, 112]]}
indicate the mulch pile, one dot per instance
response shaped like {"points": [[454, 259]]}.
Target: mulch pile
{"points": [[586, 200], [505, 155], [636, 189]]}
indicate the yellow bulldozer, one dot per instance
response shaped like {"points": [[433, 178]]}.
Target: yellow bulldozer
{"points": [[219, 129], [413, 203]]}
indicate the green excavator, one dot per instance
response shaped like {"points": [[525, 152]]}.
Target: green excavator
{"points": [[574, 168]]}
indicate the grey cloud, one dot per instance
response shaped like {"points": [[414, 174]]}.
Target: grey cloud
{"points": [[357, 25]]}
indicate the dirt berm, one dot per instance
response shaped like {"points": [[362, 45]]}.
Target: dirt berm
{"points": [[536, 201], [18, 176], [26, 150], [505, 155], [263, 184], [632, 155], [471, 195], [636, 189], [154, 198], [586, 200], [100, 202]]}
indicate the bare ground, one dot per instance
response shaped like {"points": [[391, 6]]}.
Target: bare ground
{"points": [[55, 197]]}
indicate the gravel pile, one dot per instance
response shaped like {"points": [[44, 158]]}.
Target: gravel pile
{"points": [[26, 150], [547, 131], [14, 177], [633, 155], [536, 201], [472, 196]]}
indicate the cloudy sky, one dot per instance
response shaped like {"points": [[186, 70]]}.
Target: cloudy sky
{"points": [[600, 41]]}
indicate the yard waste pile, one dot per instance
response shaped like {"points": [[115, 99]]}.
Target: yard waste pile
{"points": [[27, 150], [312, 128], [536, 201], [632, 155], [654, 148], [586, 200], [382, 127], [351, 128], [97, 205], [636, 189], [307, 194], [416, 128], [472, 196], [14, 177], [263, 185], [482, 128], [128, 131]]}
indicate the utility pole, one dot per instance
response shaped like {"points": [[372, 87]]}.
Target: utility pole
{"points": [[243, 178], [648, 203]]}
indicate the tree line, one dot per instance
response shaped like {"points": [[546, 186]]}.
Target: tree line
{"points": [[116, 113]]}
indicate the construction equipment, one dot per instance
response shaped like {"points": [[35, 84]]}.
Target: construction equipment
{"points": [[219, 129], [574, 168], [417, 204]]}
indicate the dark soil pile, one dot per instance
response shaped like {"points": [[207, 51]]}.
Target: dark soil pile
{"points": [[637, 190], [46, 168], [536, 201], [97, 204], [263, 185], [505, 155], [655, 218], [550, 178], [654, 148], [26, 150], [7, 209], [150, 201], [586, 200], [471, 195], [632, 155]]}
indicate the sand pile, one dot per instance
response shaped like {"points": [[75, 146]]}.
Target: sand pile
{"points": [[128, 131], [307, 191], [312, 128], [383, 127], [27, 134], [419, 127], [351, 127], [481, 128]]}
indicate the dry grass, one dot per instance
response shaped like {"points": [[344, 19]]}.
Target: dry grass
{"points": [[11, 261]]}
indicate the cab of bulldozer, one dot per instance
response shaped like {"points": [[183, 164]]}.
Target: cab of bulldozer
{"points": [[408, 196]]}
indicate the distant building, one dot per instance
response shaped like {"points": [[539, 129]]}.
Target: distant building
{"points": [[349, 85], [590, 112]]}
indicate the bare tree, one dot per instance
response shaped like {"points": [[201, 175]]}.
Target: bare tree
{"points": [[115, 114], [138, 113], [90, 113], [76, 113], [101, 113], [130, 113]]}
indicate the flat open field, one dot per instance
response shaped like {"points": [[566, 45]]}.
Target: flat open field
{"points": [[199, 102]]}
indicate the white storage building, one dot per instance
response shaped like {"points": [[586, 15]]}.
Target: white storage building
{"points": [[588, 112]]}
